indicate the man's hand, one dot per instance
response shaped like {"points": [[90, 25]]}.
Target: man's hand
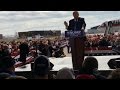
{"points": [[66, 24], [82, 29]]}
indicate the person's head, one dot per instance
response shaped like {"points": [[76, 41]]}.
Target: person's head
{"points": [[85, 76], [7, 64], [115, 74], [41, 67], [65, 73], [90, 64], [4, 75], [76, 14], [16, 77]]}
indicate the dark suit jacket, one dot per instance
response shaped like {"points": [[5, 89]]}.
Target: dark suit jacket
{"points": [[24, 48], [79, 24]]}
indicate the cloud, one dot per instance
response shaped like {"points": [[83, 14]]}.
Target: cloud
{"points": [[16, 21]]}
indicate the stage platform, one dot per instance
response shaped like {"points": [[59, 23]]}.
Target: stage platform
{"points": [[67, 62]]}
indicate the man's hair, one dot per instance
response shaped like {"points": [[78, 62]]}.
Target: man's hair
{"points": [[85, 76], [4, 75], [65, 73], [16, 77], [115, 74], [6, 62], [89, 64], [41, 66], [75, 12]]}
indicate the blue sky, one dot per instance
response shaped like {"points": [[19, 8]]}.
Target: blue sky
{"points": [[18, 21]]}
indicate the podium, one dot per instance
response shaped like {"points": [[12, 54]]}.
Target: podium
{"points": [[77, 39]]}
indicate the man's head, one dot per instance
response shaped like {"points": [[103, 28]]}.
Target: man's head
{"points": [[115, 74], [65, 73], [90, 64], [16, 77], [4, 75], [41, 66], [76, 14], [7, 64]]}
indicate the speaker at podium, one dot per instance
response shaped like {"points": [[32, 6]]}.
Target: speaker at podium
{"points": [[77, 39], [76, 34]]}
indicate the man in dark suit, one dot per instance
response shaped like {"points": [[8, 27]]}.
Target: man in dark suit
{"points": [[77, 43], [77, 23], [24, 50]]}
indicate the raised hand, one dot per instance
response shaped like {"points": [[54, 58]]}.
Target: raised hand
{"points": [[66, 24]]}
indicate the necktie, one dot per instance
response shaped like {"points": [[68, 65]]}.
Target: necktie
{"points": [[75, 27]]}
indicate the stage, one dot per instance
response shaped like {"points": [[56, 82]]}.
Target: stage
{"points": [[67, 62]]}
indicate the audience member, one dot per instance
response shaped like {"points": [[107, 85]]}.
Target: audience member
{"points": [[24, 50], [115, 74], [65, 73], [4, 75], [16, 77], [41, 67], [90, 67], [7, 65], [85, 76]]}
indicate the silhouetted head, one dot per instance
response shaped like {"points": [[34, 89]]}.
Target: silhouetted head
{"points": [[65, 73], [90, 64], [41, 66], [4, 75], [16, 77], [115, 74], [7, 64]]}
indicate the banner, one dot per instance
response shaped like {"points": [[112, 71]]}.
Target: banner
{"points": [[74, 34]]}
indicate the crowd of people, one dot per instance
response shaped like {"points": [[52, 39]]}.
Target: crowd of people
{"points": [[54, 47], [41, 70], [98, 40], [42, 49], [47, 47]]}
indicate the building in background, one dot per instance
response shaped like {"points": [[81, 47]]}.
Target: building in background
{"points": [[40, 33]]}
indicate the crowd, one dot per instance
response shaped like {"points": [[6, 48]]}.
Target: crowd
{"points": [[41, 70], [47, 47], [54, 47], [98, 40], [42, 49]]}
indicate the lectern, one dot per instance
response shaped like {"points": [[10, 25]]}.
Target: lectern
{"points": [[77, 39]]}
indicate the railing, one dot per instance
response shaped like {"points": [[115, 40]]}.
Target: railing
{"points": [[97, 48]]}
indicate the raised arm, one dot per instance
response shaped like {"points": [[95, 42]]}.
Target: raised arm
{"points": [[66, 25]]}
